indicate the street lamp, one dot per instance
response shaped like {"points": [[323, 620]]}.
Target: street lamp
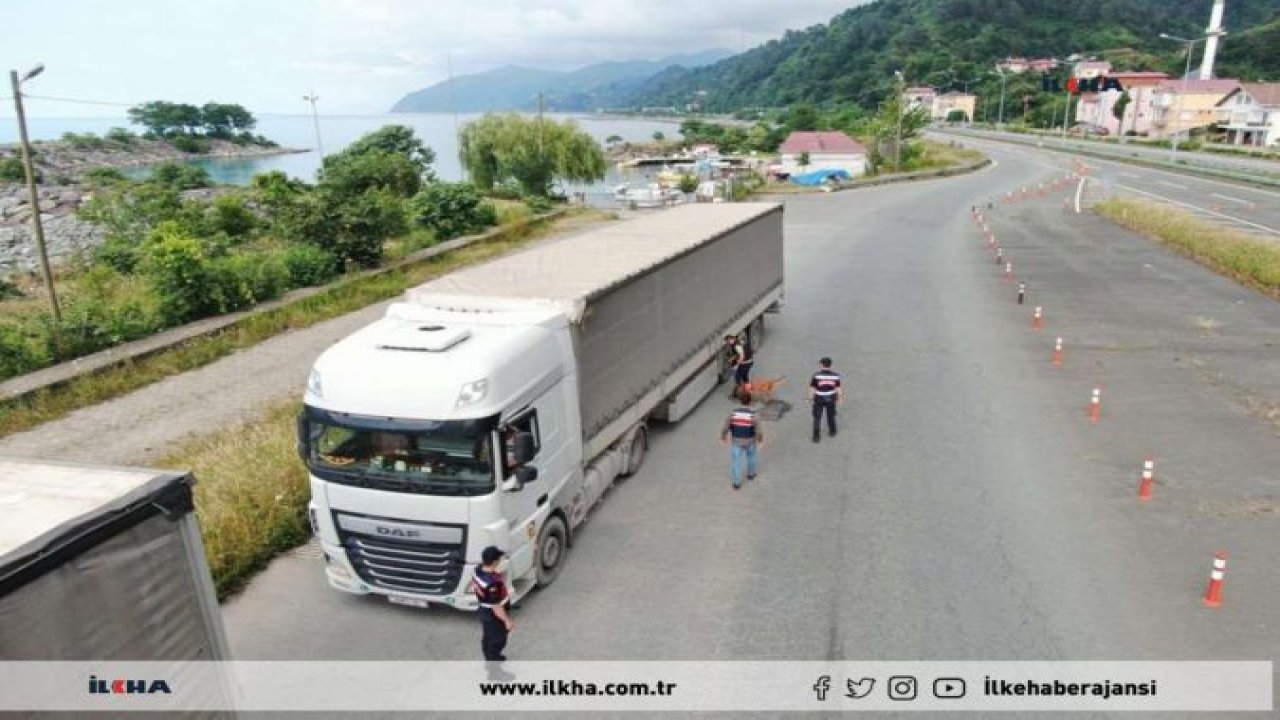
{"points": [[1000, 120], [897, 145], [1173, 137], [28, 167], [315, 120]]}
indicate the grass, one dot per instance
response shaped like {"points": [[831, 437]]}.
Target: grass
{"points": [[251, 494], [1242, 257], [341, 298]]}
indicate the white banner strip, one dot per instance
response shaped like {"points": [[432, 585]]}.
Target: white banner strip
{"points": [[651, 686]]}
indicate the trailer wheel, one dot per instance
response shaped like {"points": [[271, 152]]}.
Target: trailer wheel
{"points": [[756, 333], [552, 546], [636, 451]]}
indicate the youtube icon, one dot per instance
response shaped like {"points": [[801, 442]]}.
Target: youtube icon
{"points": [[948, 688]]}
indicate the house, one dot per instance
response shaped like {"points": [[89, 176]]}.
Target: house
{"points": [[915, 97], [823, 150], [1015, 65], [1184, 104], [1250, 114], [1042, 65], [944, 104], [1091, 68], [1097, 108]]}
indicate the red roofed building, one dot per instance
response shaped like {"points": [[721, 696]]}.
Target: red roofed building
{"points": [[825, 150], [1251, 114]]}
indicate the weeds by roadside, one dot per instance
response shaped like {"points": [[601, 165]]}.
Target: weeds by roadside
{"points": [[339, 299], [1247, 259]]}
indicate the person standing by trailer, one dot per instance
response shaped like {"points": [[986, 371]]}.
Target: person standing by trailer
{"points": [[491, 591], [741, 359], [742, 433], [826, 391]]}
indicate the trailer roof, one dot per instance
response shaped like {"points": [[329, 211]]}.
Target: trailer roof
{"points": [[41, 502], [583, 266]]}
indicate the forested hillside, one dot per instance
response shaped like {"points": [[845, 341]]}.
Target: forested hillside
{"points": [[951, 43]]}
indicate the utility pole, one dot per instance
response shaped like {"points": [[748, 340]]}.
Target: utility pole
{"points": [[1173, 137], [453, 100], [1000, 121], [315, 120], [28, 167], [897, 145]]}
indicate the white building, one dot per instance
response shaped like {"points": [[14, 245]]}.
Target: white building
{"points": [[1250, 114], [825, 150]]}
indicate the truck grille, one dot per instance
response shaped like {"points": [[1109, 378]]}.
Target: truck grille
{"points": [[424, 568]]}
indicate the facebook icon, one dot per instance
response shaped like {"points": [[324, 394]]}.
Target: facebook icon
{"points": [[822, 687]]}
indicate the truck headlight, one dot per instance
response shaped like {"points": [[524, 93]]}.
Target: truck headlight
{"points": [[472, 392], [314, 386]]}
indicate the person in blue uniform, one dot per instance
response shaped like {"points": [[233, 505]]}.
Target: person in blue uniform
{"points": [[826, 391], [491, 591]]}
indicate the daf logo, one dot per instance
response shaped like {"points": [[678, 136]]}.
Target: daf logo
{"points": [[397, 532]]}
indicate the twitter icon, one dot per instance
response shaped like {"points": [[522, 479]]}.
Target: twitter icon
{"points": [[860, 688]]}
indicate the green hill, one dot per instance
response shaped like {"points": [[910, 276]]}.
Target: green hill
{"points": [[948, 43], [516, 88]]}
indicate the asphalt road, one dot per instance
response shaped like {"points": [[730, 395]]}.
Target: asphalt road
{"points": [[1243, 164], [967, 510], [1243, 207]]}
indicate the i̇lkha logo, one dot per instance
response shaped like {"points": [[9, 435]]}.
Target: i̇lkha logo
{"points": [[1101, 83], [122, 686]]}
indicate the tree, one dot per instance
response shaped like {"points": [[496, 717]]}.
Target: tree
{"points": [[180, 176], [397, 140], [165, 119], [688, 183], [223, 120], [347, 174], [957, 116], [659, 136], [802, 117], [803, 160], [451, 210], [613, 140], [1117, 111], [533, 152]]}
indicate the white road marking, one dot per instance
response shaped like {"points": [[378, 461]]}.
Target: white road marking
{"points": [[1232, 199], [1130, 175], [1172, 185], [1264, 228]]}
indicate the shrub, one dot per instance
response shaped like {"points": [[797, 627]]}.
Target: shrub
{"points": [[189, 144], [83, 141], [538, 204], [240, 282], [121, 136], [20, 352], [180, 176], [178, 267], [309, 265], [451, 210], [104, 176], [11, 170], [9, 289], [230, 214], [688, 183]]}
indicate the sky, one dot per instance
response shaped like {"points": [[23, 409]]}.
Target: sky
{"points": [[357, 56]]}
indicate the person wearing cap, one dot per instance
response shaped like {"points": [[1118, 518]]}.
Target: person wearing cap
{"points": [[491, 591], [825, 391]]}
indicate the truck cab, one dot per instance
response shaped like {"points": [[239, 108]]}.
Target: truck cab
{"points": [[463, 418]]}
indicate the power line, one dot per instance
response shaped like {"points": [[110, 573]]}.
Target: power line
{"points": [[78, 101]]}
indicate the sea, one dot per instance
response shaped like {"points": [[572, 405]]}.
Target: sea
{"points": [[438, 130]]}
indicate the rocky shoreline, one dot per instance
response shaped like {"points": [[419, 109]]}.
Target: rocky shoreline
{"points": [[60, 165]]}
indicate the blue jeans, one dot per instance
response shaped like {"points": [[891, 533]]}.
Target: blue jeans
{"points": [[737, 453]]}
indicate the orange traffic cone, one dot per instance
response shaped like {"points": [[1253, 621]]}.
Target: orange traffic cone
{"points": [[1057, 353], [1148, 479], [1213, 593], [1037, 319], [1095, 405]]}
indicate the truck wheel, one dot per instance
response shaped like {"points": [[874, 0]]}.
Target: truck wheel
{"points": [[756, 333], [636, 452], [552, 546]]}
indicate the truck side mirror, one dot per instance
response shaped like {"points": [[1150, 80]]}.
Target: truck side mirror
{"points": [[524, 449], [304, 437], [522, 476]]}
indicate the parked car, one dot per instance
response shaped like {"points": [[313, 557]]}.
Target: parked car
{"points": [[1088, 129]]}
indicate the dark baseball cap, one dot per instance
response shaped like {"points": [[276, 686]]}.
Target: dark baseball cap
{"points": [[491, 555]]}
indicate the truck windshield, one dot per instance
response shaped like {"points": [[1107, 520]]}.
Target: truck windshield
{"points": [[448, 457]]}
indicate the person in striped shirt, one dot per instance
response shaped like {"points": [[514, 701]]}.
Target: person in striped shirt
{"points": [[742, 433], [826, 392]]}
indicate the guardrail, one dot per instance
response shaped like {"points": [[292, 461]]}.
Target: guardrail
{"points": [[1132, 159]]}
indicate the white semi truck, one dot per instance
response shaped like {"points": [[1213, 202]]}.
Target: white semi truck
{"points": [[495, 405]]}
